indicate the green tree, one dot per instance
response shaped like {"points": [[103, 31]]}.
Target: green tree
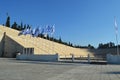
{"points": [[21, 26], [14, 26], [90, 46], [18, 27], [8, 22], [60, 40], [107, 45]]}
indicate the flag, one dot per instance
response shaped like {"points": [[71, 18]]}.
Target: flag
{"points": [[42, 31], [25, 32], [116, 27], [53, 29], [33, 31], [50, 30], [46, 30], [116, 30], [36, 32]]}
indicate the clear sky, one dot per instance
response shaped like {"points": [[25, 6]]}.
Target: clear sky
{"points": [[81, 22]]}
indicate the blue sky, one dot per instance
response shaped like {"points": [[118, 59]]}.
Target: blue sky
{"points": [[81, 22]]}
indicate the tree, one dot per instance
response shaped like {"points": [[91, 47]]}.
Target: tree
{"points": [[107, 45], [111, 44], [60, 40], [47, 37], [28, 26], [90, 46], [21, 26], [8, 22], [14, 26], [71, 45]]}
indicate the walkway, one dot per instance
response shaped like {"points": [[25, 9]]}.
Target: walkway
{"points": [[11, 69]]}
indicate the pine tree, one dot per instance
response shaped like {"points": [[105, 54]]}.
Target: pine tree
{"points": [[21, 26], [8, 22], [14, 26], [60, 40]]}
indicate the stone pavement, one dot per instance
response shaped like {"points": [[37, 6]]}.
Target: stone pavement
{"points": [[11, 69]]}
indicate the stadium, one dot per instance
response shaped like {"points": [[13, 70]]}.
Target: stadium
{"points": [[11, 44]]}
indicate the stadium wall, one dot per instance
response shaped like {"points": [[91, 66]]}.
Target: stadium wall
{"points": [[11, 47], [1, 44]]}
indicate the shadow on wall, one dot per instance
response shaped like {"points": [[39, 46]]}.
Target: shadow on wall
{"points": [[2, 41], [11, 47], [92, 51], [102, 52]]}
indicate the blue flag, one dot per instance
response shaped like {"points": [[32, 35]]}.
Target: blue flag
{"points": [[48, 29], [53, 29], [36, 32], [42, 31], [25, 32]]}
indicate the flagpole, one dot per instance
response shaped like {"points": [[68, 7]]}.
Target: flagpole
{"points": [[116, 29], [52, 43], [53, 30], [117, 44], [26, 44]]}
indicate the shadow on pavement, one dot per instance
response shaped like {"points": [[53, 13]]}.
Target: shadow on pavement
{"points": [[115, 72], [99, 63], [49, 63]]}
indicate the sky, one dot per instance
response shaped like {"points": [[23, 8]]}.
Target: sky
{"points": [[80, 22]]}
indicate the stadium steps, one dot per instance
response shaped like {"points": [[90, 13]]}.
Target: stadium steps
{"points": [[43, 46]]}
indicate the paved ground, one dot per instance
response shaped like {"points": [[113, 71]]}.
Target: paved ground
{"points": [[11, 69]]}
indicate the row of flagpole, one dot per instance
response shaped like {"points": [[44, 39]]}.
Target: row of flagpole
{"points": [[48, 30]]}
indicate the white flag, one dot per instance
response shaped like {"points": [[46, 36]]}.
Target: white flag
{"points": [[53, 29], [116, 27]]}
